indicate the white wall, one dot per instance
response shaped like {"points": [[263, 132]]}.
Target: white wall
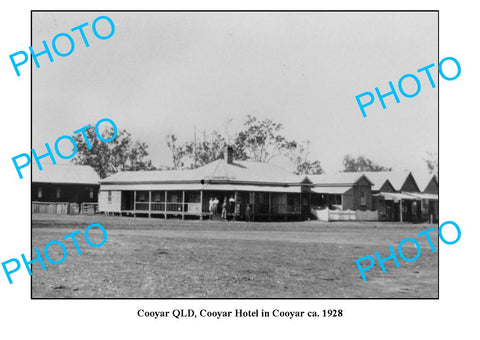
{"points": [[114, 205]]}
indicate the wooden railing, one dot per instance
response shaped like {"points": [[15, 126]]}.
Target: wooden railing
{"points": [[158, 206], [171, 207], [141, 206]]}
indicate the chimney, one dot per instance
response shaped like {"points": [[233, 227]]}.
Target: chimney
{"points": [[229, 155]]}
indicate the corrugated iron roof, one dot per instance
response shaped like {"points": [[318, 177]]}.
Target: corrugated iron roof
{"points": [[379, 178], [423, 180], [217, 171], [340, 178], [396, 196], [396, 178], [424, 196], [66, 174], [330, 190], [199, 186], [267, 188], [152, 186]]}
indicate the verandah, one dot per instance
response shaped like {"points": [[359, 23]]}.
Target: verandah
{"points": [[183, 203]]}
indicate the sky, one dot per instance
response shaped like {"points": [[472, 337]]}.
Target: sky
{"points": [[164, 72]]}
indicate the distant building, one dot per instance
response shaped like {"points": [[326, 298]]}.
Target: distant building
{"points": [[428, 186], [68, 184], [398, 197], [343, 190]]}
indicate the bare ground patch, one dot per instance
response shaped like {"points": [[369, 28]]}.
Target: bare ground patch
{"points": [[199, 259]]}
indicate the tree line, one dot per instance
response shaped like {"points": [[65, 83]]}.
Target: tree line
{"points": [[257, 140]]}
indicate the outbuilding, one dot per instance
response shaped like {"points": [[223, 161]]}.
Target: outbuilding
{"points": [[343, 190], [381, 188], [428, 195], [395, 196], [64, 188]]}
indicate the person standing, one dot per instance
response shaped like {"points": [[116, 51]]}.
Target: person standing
{"points": [[247, 213], [215, 206], [231, 207], [224, 209], [210, 207]]}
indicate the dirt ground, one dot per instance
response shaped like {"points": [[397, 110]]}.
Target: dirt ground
{"points": [[154, 258]]}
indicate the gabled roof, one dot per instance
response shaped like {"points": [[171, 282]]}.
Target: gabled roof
{"points": [[379, 178], [396, 178], [216, 171], [338, 179], [65, 174], [423, 180]]}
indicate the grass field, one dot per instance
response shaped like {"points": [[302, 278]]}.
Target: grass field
{"points": [[155, 258]]}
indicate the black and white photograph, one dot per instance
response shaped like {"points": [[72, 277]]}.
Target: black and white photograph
{"points": [[226, 156], [239, 170]]}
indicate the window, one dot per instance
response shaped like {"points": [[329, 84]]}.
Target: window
{"points": [[336, 199], [363, 198], [90, 194], [59, 191], [109, 196], [157, 196], [39, 192], [141, 196]]}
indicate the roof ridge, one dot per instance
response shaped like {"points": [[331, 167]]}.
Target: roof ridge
{"points": [[224, 168], [216, 167]]}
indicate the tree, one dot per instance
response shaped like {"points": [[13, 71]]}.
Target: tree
{"points": [[300, 157], [107, 158], [360, 164], [191, 154], [209, 149], [432, 163], [261, 140], [177, 152], [137, 157]]}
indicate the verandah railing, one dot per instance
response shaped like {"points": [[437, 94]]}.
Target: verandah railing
{"points": [[170, 207]]}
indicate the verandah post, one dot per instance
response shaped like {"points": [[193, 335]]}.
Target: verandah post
{"points": [[165, 214], [183, 204], [149, 204], [201, 204], [401, 211], [301, 205], [134, 203], [269, 206]]}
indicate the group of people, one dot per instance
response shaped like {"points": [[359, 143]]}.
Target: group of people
{"points": [[228, 206]]}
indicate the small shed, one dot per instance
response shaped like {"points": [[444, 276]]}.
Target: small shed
{"points": [[343, 190], [64, 188], [394, 195], [428, 185]]}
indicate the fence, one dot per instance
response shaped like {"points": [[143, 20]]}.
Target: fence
{"points": [[345, 215], [88, 208], [50, 207], [63, 208]]}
